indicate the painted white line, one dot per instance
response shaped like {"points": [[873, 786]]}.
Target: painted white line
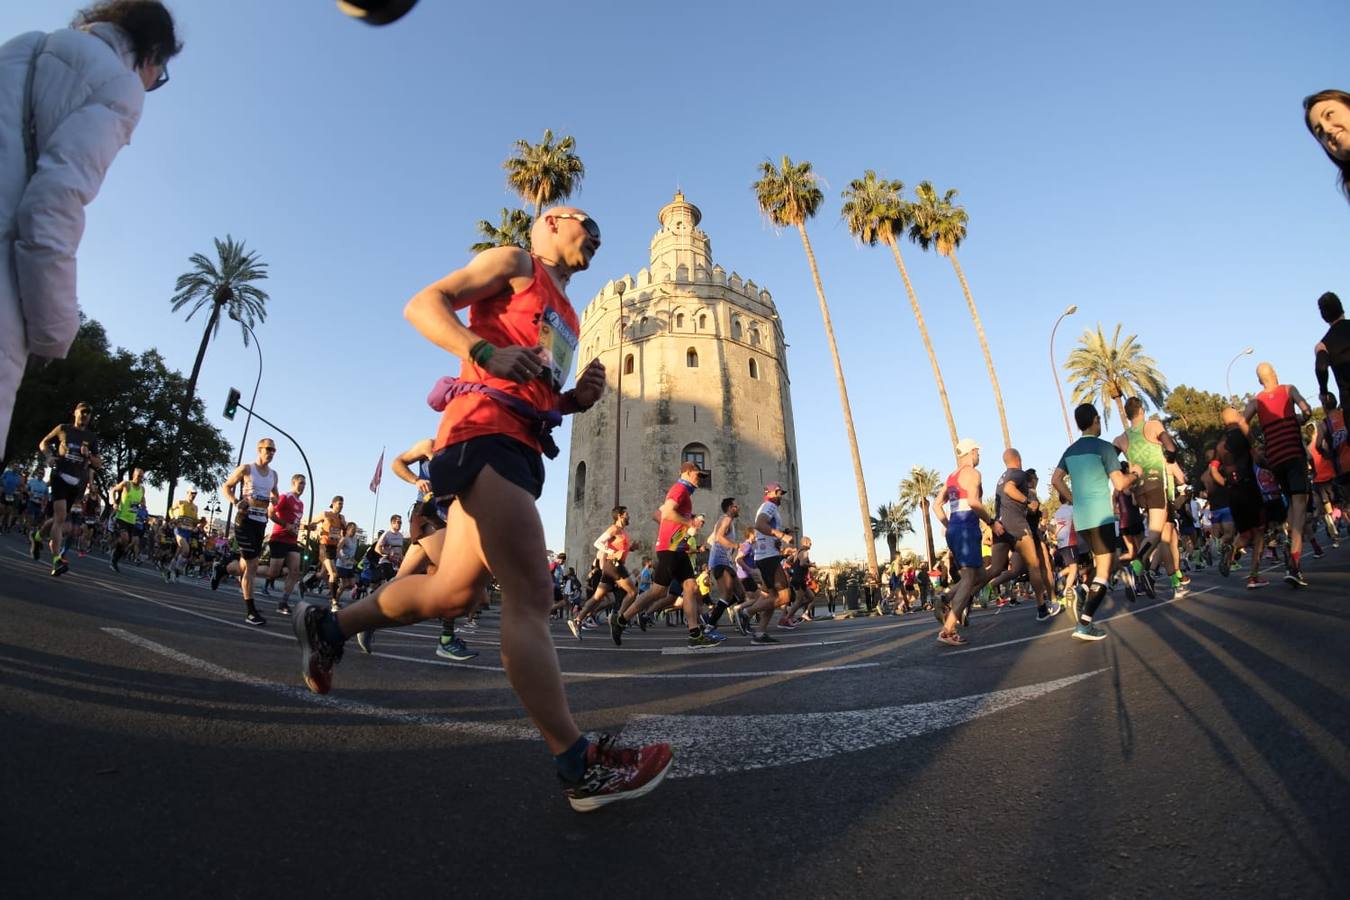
{"points": [[742, 648], [712, 745], [645, 676], [476, 729]]}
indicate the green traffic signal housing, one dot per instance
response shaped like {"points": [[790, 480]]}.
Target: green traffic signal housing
{"points": [[232, 403]]}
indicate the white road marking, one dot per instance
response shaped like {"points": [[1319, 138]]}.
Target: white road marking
{"points": [[658, 676], [713, 745], [742, 648]]}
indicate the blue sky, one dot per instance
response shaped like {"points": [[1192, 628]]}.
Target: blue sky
{"points": [[1148, 163]]}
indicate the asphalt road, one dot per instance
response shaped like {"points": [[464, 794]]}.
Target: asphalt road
{"points": [[155, 746]]}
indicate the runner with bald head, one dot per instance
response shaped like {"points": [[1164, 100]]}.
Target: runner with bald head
{"points": [[1014, 548], [1277, 408], [960, 507], [516, 353]]}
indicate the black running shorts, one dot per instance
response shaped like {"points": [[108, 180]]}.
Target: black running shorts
{"points": [[771, 570], [612, 573], [1246, 505], [70, 493], [1099, 541], [672, 567], [249, 534], [1150, 493], [280, 549], [455, 467], [328, 551], [1293, 477], [719, 570]]}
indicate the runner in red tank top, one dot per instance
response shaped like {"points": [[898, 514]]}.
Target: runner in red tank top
{"points": [[1277, 408], [520, 341]]}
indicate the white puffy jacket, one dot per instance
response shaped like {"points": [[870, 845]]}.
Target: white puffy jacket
{"points": [[87, 99]]}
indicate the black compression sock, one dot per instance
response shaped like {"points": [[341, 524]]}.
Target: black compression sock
{"points": [[720, 608], [695, 632], [447, 630], [1096, 594]]}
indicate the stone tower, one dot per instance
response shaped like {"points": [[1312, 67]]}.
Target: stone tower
{"points": [[698, 371]]}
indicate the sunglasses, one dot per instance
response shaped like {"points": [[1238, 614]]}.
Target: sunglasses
{"points": [[162, 80], [586, 221], [267, 449]]}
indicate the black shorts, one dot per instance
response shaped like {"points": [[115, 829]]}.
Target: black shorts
{"points": [[1293, 477], [1246, 505], [672, 568], [127, 528], [612, 573], [249, 534], [70, 493], [455, 467], [1066, 556], [425, 515], [280, 549], [1275, 511], [1098, 541], [328, 551], [1150, 493], [719, 570], [1132, 528], [1012, 533], [750, 585], [771, 570]]}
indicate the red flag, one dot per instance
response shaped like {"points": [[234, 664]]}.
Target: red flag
{"points": [[379, 472]]}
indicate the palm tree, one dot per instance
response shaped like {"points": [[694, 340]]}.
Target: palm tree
{"points": [[892, 522], [544, 172], [225, 285], [940, 223], [788, 196], [514, 231], [1115, 369], [917, 490], [873, 211]]}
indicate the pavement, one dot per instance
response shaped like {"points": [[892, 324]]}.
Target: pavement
{"points": [[154, 745]]}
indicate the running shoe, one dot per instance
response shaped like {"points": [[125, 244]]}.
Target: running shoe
{"points": [[1294, 577], [265, 592], [366, 641], [743, 623], [469, 625], [702, 641], [284, 609], [168, 576], [1256, 581], [255, 620], [573, 627], [1226, 561], [59, 567], [952, 638], [1088, 632], [714, 634], [112, 564], [1317, 553], [36, 548], [616, 630], [317, 656], [454, 649], [217, 574], [765, 638], [644, 620], [787, 623], [1127, 579], [617, 773], [1051, 610], [1185, 580], [1144, 580], [590, 624]]}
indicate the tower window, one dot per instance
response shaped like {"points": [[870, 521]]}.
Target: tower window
{"points": [[628, 364], [754, 335], [754, 369], [579, 484], [698, 455], [703, 322], [735, 329], [679, 320], [691, 358]]}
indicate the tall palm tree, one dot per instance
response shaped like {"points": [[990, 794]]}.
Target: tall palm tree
{"points": [[892, 522], [788, 196], [514, 231], [226, 285], [543, 172], [873, 211], [939, 223], [918, 490], [1100, 370]]}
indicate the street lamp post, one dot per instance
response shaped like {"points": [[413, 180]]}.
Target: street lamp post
{"points": [[239, 460], [1228, 373], [1054, 370], [619, 288]]}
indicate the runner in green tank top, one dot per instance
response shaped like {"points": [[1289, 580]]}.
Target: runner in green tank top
{"points": [[128, 495], [1145, 444]]}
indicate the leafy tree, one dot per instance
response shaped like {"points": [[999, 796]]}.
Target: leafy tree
{"points": [[939, 223], [1195, 417], [788, 196], [892, 522], [874, 212], [227, 286], [1103, 370], [514, 231], [917, 490], [544, 172]]}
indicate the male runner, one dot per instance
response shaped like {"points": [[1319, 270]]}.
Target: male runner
{"points": [[283, 544], [517, 349], [76, 453], [1277, 408], [1013, 534], [258, 485], [35, 508], [960, 508], [1324, 478], [330, 525], [389, 547], [1220, 513], [612, 549], [1337, 446], [1237, 472], [10, 482], [184, 517], [1333, 350], [1093, 467], [723, 551], [1145, 443]]}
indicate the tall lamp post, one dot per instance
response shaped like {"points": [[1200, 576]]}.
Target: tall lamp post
{"points": [[1228, 373], [1054, 370], [239, 460], [619, 288]]}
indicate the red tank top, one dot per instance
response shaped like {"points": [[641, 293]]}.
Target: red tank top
{"points": [[1340, 440], [538, 316], [1279, 428], [1323, 470]]}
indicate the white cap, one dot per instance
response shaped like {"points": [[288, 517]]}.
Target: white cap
{"points": [[966, 445]]}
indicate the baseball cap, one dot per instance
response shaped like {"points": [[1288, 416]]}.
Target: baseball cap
{"points": [[773, 487], [966, 445]]}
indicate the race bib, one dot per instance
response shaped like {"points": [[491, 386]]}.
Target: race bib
{"points": [[257, 509], [559, 344]]}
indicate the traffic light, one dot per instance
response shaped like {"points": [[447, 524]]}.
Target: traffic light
{"points": [[232, 403]]}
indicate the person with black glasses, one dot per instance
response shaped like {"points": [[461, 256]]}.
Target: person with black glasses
{"points": [[258, 483]]}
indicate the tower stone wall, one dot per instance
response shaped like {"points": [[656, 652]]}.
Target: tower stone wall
{"points": [[698, 370]]}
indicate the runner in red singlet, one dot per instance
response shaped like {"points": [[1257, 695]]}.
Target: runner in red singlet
{"points": [[1276, 407], [517, 352]]}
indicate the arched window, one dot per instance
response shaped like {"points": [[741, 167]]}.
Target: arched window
{"points": [[703, 322], [754, 369], [754, 335], [679, 320], [691, 358], [579, 484], [628, 364], [735, 329], [698, 455]]}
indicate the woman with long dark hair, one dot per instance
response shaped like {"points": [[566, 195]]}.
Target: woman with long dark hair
{"points": [[1327, 115]]}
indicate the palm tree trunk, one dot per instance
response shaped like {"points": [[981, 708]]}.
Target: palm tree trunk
{"points": [[927, 343], [191, 392], [984, 345], [1120, 408], [869, 541], [928, 535], [891, 541]]}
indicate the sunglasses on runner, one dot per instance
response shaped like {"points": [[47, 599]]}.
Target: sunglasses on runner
{"points": [[267, 449], [586, 221], [162, 80]]}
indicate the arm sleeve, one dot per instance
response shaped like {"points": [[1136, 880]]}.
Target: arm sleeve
{"points": [[1323, 364], [49, 222]]}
